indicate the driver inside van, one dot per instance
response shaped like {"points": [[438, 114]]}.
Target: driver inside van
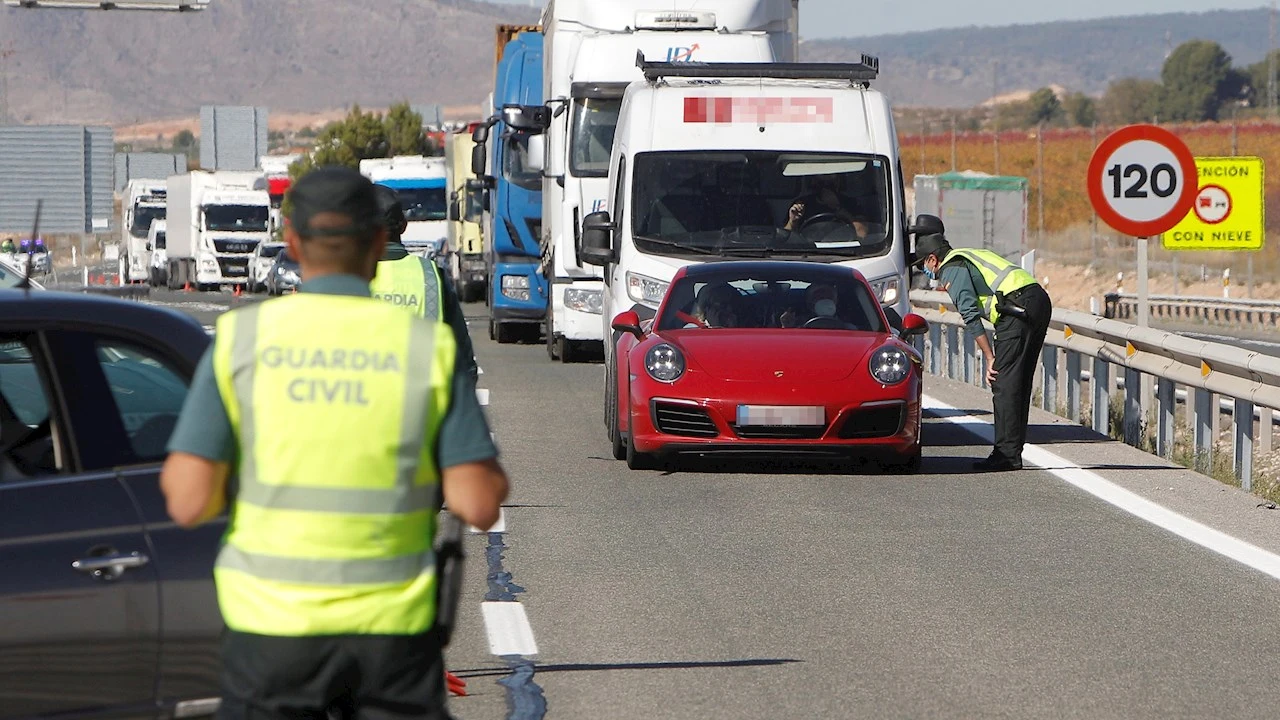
{"points": [[824, 200]]}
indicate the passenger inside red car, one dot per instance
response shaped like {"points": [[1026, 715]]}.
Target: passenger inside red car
{"points": [[792, 299]]}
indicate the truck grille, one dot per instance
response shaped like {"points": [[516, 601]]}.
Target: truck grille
{"points": [[234, 267], [235, 246], [876, 422], [683, 420]]}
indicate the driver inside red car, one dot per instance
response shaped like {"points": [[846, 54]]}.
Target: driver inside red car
{"points": [[718, 305]]}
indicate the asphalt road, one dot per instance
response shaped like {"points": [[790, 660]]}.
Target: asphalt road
{"points": [[796, 591]]}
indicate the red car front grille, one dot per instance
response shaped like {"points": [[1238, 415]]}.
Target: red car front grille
{"points": [[874, 422], [683, 420]]}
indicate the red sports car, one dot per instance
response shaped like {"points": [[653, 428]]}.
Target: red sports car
{"points": [[766, 359]]}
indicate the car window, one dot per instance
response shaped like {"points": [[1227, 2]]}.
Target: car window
{"points": [[782, 298], [26, 436], [148, 395]]}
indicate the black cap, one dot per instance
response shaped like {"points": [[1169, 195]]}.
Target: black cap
{"points": [[334, 189], [927, 225], [927, 245], [392, 210]]}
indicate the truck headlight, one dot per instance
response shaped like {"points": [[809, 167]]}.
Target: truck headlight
{"points": [[646, 290], [208, 264], [516, 287], [664, 363], [890, 365], [587, 301], [888, 290]]}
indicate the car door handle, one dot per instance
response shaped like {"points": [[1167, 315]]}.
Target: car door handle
{"points": [[110, 567]]}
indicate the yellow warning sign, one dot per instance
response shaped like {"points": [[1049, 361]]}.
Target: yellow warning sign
{"points": [[1229, 211]]}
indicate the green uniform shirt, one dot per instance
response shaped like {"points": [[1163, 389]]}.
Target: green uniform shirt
{"points": [[964, 284], [203, 428]]}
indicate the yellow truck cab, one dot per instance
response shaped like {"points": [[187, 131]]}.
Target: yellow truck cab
{"points": [[464, 248]]}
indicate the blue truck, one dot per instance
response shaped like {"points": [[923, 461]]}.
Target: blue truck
{"points": [[508, 164]]}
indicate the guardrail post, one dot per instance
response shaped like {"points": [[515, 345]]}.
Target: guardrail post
{"points": [[1100, 383], [1205, 427], [1049, 378], [1132, 407], [953, 352], [1166, 402], [1242, 443], [1073, 386], [935, 349], [917, 342], [970, 347], [1265, 428]]}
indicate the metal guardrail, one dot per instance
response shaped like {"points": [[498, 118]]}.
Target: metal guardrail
{"points": [[1207, 370], [131, 292], [1207, 310]]}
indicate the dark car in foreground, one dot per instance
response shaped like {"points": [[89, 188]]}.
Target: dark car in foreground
{"points": [[285, 274], [108, 607]]}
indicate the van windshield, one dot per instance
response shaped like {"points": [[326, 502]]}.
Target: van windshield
{"points": [[594, 122], [142, 217], [756, 203]]}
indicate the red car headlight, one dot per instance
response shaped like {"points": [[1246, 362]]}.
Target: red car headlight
{"points": [[890, 365], [664, 363]]}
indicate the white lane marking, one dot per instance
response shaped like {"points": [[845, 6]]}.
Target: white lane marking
{"points": [[186, 305], [1136, 505], [508, 629], [482, 396], [498, 527], [209, 329]]}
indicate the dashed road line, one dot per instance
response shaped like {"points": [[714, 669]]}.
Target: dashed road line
{"points": [[1215, 540], [508, 629]]}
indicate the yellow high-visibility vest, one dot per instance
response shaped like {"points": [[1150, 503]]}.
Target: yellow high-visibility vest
{"points": [[404, 282], [336, 402], [1000, 275]]}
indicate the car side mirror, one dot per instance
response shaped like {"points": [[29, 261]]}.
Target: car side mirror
{"points": [[597, 239], [913, 325], [532, 119], [148, 247], [628, 322]]}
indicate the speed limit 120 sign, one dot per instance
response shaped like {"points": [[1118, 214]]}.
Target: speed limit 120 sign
{"points": [[1142, 180]]}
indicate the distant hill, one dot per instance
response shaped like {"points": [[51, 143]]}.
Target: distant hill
{"points": [[311, 55], [953, 68]]}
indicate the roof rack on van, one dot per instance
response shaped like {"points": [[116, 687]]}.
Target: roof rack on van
{"points": [[860, 72]]}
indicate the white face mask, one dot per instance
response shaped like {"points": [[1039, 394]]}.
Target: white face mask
{"points": [[825, 308]]}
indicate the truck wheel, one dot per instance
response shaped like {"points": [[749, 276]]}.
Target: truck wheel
{"points": [[504, 333]]}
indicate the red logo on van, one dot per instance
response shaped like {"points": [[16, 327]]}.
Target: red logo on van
{"points": [[755, 110]]}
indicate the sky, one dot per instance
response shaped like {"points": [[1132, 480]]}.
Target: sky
{"points": [[839, 18]]}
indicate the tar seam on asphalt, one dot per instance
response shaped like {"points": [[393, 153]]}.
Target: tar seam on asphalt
{"points": [[525, 700]]}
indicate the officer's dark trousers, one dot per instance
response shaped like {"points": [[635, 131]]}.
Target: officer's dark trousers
{"points": [[370, 677], [1018, 342]]}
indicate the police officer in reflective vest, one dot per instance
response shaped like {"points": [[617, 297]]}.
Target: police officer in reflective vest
{"points": [[415, 282], [983, 284], [341, 448]]}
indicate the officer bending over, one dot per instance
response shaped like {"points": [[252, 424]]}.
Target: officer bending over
{"points": [[342, 447], [417, 283], [983, 284]]}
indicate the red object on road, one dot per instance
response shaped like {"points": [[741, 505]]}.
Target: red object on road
{"points": [[766, 359], [457, 685]]}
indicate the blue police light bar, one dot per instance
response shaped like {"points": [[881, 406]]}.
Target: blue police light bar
{"points": [[167, 5]]}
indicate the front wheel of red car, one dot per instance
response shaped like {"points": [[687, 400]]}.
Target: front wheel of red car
{"points": [[615, 433], [638, 460]]}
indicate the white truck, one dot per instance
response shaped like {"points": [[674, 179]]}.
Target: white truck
{"points": [[142, 202], [780, 161], [215, 220], [420, 183], [589, 59]]}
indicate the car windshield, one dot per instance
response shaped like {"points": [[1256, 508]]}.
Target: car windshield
{"points": [[270, 251], [142, 218], [284, 259], [9, 276], [594, 123], [759, 203], [236, 218], [786, 297], [515, 163], [423, 204], [160, 240]]}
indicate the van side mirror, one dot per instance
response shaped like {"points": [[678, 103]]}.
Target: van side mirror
{"points": [[148, 247], [532, 119], [628, 322], [597, 239]]}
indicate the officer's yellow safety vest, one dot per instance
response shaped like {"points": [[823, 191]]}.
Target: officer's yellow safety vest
{"points": [[336, 403], [1000, 275], [403, 282]]}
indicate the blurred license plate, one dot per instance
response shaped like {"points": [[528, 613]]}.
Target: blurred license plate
{"points": [[778, 415]]}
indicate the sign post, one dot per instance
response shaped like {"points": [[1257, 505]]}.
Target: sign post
{"points": [[1142, 181]]}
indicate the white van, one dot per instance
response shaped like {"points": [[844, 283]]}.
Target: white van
{"points": [[710, 159]]}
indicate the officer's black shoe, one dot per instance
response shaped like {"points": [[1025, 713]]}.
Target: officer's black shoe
{"points": [[997, 463]]}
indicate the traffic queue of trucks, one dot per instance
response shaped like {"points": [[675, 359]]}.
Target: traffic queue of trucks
{"points": [[686, 134], [214, 223]]}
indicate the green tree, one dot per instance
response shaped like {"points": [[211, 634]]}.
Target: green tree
{"points": [[1259, 75], [404, 131], [1080, 109], [184, 140], [1130, 100], [1197, 80], [1043, 107]]}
